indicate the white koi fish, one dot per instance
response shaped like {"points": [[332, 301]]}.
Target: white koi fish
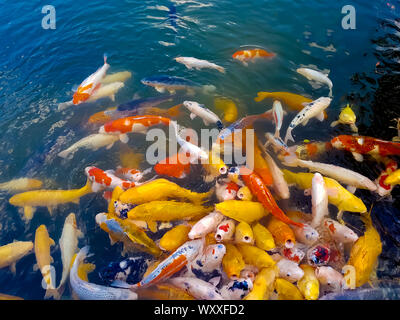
{"points": [[90, 291], [92, 142], [106, 90], [311, 110], [319, 200], [277, 112], [205, 225], [225, 230], [204, 113], [330, 277], [279, 183], [197, 288], [237, 289], [339, 232], [317, 76], [289, 270], [198, 64]]}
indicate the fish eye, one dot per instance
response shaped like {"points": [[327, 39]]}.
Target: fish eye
{"points": [[223, 170]]}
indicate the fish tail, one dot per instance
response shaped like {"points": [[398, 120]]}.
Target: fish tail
{"points": [[289, 136], [64, 154], [261, 96], [366, 217], [105, 58], [175, 111], [221, 69], [330, 91], [87, 188], [52, 293]]}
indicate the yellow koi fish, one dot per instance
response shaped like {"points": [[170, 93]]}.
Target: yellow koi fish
{"points": [[294, 101], [164, 292], [128, 158], [244, 233], [228, 109], [43, 258], [263, 237], [263, 284], [8, 297], [232, 262], [337, 195], [393, 178], [347, 116], [214, 166], [365, 252], [20, 185], [12, 252], [161, 189], [168, 211], [287, 290], [247, 211], [116, 77], [84, 269], [47, 198], [175, 237], [255, 256], [309, 284]]}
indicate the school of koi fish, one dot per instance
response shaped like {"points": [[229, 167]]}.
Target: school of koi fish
{"points": [[242, 237]]}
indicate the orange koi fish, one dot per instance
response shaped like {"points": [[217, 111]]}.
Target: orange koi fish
{"points": [[176, 166], [105, 180], [250, 55]]}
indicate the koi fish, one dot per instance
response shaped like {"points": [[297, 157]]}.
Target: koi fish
{"points": [[255, 256], [240, 210], [261, 165], [311, 110], [90, 84], [318, 255], [339, 232], [21, 184], [244, 233], [47, 198], [161, 189], [309, 284], [199, 289], [130, 270], [101, 180], [311, 150], [337, 195], [167, 211], [287, 290], [117, 77], [226, 191], [225, 230], [176, 166], [294, 254], [319, 200], [263, 284], [359, 145], [185, 254], [204, 113], [281, 232], [90, 291], [164, 292], [228, 107], [245, 56], [232, 262], [263, 237], [68, 246], [174, 238], [365, 252], [317, 76], [205, 225], [289, 270], [130, 174], [383, 188], [236, 289], [307, 235], [277, 112], [6, 297], [294, 101], [107, 90], [93, 142], [347, 116], [244, 194], [43, 258], [12, 252], [262, 193], [164, 83], [351, 178], [330, 277], [193, 63], [138, 124], [393, 178]]}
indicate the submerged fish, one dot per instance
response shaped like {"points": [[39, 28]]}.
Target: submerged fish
{"points": [[12, 252], [294, 101], [193, 63], [107, 90], [164, 83], [199, 289], [317, 76], [245, 56], [227, 107], [346, 116], [116, 77], [21, 184], [204, 113]]}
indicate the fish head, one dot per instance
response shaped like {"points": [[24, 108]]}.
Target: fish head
{"points": [[318, 181], [318, 255], [310, 233], [179, 59], [71, 219], [190, 104], [238, 55], [146, 81], [214, 252], [90, 173], [347, 115], [233, 174]]}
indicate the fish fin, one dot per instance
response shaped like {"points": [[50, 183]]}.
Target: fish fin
{"points": [[64, 154], [152, 225], [357, 156], [340, 217], [79, 233], [330, 91], [13, 268], [320, 116], [63, 105], [28, 213], [304, 123], [76, 201], [51, 210], [124, 138], [52, 293], [354, 128], [289, 136], [160, 89], [351, 189], [245, 63], [35, 267], [109, 146], [120, 284], [215, 281], [334, 124], [206, 123], [305, 104], [112, 241], [172, 91], [51, 259], [193, 116], [52, 242], [112, 97], [190, 92]]}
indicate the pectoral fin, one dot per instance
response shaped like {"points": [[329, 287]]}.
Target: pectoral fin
{"points": [[79, 233], [110, 146], [13, 268], [351, 189], [160, 89], [334, 123], [320, 116], [28, 213], [124, 138], [35, 267], [152, 225], [192, 116], [305, 122], [357, 156], [52, 243]]}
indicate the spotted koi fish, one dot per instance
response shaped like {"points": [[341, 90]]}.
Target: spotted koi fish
{"points": [[105, 180], [250, 55]]}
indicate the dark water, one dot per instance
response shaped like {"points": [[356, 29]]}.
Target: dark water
{"points": [[38, 69]]}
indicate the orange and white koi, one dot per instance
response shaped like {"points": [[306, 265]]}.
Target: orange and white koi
{"points": [[90, 84], [138, 124], [185, 254], [360, 145], [133, 175], [197, 288], [310, 150], [250, 55], [384, 188], [176, 166], [226, 191], [101, 180], [339, 232], [294, 254], [225, 230], [263, 195]]}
